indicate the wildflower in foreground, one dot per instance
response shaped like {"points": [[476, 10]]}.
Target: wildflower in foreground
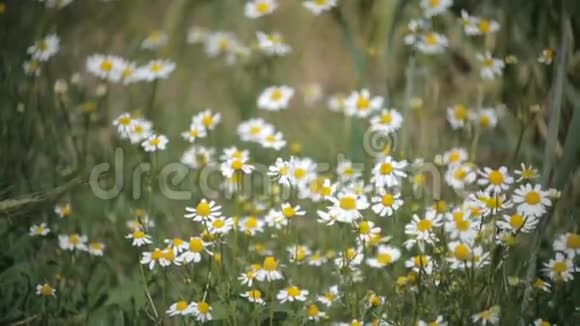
{"points": [[202, 311], [45, 48], [487, 317], [319, 6], [387, 121], [275, 98], [39, 230], [421, 230], [491, 67], [248, 277], [72, 242], [292, 293], [526, 172], [194, 250], [560, 268], [361, 104], [269, 270], [347, 206], [388, 172], [313, 313], [96, 248], [180, 308], [568, 243], [386, 255], [432, 43], [45, 290], [518, 223], [531, 200], [254, 296], [204, 211], [547, 56], [330, 296], [154, 143], [139, 238], [458, 116], [63, 210]]}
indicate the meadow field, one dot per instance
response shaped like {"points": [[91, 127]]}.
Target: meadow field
{"points": [[289, 162]]}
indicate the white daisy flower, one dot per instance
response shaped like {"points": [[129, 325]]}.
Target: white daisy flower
{"points": [[459, 225], [560, 268], [254, 296], [385, 256], [195, 131], [124, 122], [568, 243], [234, 165], [275, 98], [387, 121], [526, 173], [319, 6], [388, 172], [39, 230], [292, 293], [351, 258], [485, 118], [456, 155], [337, 103], [489, 316], [139, 238], [207, 119], [154, 143], [204, 211], [197, 157], [347, 206], [180, 308], [531, 200], [194, 250], [367, 230], [491, 67], [155, 40], [330, 296], [432, 43], [220, 225], [258, 8], [280, 171], [518, 223], [72, 242], [479, 26], [45, 48], [387, 202], [547, 56], [106, 67], [197, 34], [273, 140], [251, 225], [420, 264], [458, 116], [361, 104], [313, 313], [326, 218], [459, 175], [439, 321], [298, 253], [96, 248], [63, 210], [139, 130], [495, 180], [421, 230], [202, 311], [435, 7], [464, 256], [156, 69], [269, 270], [45, 290], [272, 44]]}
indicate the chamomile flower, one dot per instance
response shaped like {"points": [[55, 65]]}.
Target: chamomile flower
{"points": [[157, 69], [202, 311], [330, 296], [195, 249], [387, 121], [485, 118], [540, 284], [317, 259], [273, 140], [346, 170], [253, 296], [458, 116], [231, 166], [164, 258], [432, 43], [518, 223], [204, 211], [385, 256], [314, 313], [207, 119], [491, 67], [547, 56], [275, 98], [439, 321], [275, 219], [280, 171], [366, 230], [222, 44], [495, 180], [155, 143], [482, 26], [272, 44], [456, 155], [44, 49], [388, 172], [248, 277], [195, 131], [526, 173], [435, 7], [292, 293], [180, 308], [542, 322], [420, 264], [319, 6], [106, 67], [96, 248], [63, 210], [298, 253], [139, 237], [459, 175], [347, 206], [421, 230], [177, 244], [487, 317], [155, 40], [302, 171], [568, 243], [560, 268], [259, 8], [531, 200], [361, 104], [72, 242], [251, 225], [351, 258], [197, 157], [124, 123], [463, 255], [337, 103], [269, 270], [220, 225], [45, 290], [290, 211], [139, 130], [39, 230], [386, 202], [459, 226]]}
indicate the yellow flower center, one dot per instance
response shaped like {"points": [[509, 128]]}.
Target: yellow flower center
{"points": [[169, 254], [462, 225], [203, 307], [270, 264], [421, 261], [533, 198], [203, 208], [255, 294], [125, 121], [528, 174], [386, 118], [560, 267], [364, 227], [263, 7], [420, 179], [288, 211], [348, 203], [424, 225], [384, 259], [363, 103], [387, 168], [157, 254], [454, 157], [431, 39], [181, 305], [237, 164], [516, 221], [484, 121], [440, 206], [495, 178], [462, 252], [218, 223], [299, 173], [374, 300], [573, 241], [46, 290], [388, 200], [434, 3], [460, 112], [251, 222], [293, 291], [155, 141], [329, 296], [312, 310], [156, 67], [460, 174], [196, 245], [484, 26], [276, 95], [74, 239], [138, 234], [106, 65]]}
